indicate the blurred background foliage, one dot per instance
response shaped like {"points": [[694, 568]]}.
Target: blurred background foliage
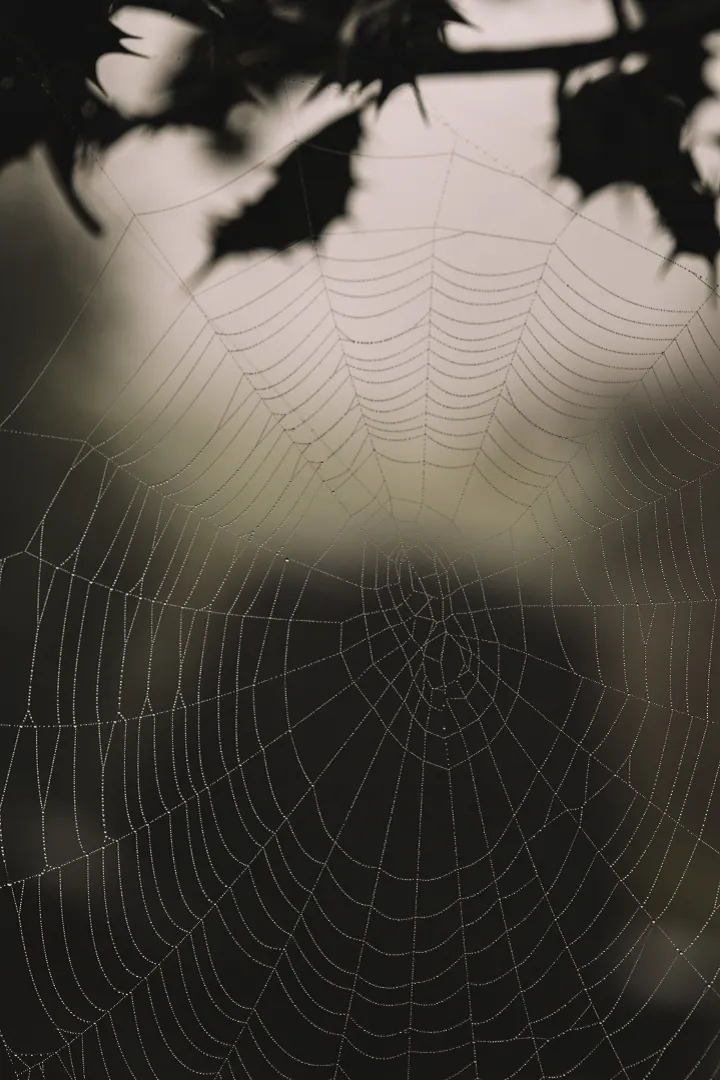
{"points": [[625, 126]]}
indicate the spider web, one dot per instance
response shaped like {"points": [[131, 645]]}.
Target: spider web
{"points": [[358, 626]]}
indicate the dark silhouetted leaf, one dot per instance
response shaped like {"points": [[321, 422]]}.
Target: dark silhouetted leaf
{"points": [[61, 149], [207, 86], [252, 48], [311, 192], [377, 39], [258, 44], [686, 208], [623, 128], [678, 69], [101, 125], [48, 61]]}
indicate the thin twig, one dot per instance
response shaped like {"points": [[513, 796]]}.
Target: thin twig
{"points": [[685, 20]]}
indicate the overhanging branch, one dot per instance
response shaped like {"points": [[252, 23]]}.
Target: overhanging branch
{"points": [[687, 20]]}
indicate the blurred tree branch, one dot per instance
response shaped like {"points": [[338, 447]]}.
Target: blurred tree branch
{"points": [[623, 127], [694, 18]]}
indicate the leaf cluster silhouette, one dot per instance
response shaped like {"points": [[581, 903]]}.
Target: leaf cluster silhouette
{"points": [[310, 193], [48, 65], [624, 127]]}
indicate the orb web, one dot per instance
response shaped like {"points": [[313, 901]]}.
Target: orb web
{"points": [[359, 615]]}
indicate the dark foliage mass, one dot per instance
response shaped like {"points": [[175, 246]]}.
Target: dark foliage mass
{"points": [[678, 66], [48, 60], [624, 128], [310, 193], [620, 128]]}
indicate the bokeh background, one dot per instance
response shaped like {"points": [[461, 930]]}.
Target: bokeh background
{"points": [[449, 480]]}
